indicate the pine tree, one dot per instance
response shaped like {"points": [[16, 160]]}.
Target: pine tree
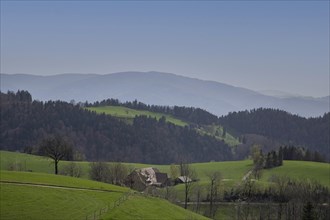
{"points": [[308, 212]]}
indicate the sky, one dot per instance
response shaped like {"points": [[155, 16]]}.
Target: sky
{"points": [[268, 45]]}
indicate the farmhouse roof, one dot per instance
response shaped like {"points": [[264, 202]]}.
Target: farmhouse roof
{"points": [[184, 179], [161, 177]]}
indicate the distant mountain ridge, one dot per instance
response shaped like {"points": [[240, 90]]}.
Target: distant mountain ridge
{"points": [[158, 89]]}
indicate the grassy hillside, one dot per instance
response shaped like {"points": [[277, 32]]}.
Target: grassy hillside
{"points": [[52, 197], [302, 170], [232, 171], [128, 113], [139, 207], [57, 180], [217, 132], [19, 201]]}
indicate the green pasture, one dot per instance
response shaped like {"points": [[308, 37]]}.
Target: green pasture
{"points": [[302, 170], [216, 131], [49, 196], [33, 202], [57, 180], [27, 162], [232, 171], [128, 113], [140, 207], [49, 199]]}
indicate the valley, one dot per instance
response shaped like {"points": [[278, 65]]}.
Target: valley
{"points": [[240, 165], [164, 110], [82, 192]]}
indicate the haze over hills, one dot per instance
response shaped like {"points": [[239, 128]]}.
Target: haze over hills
{"points": [[158, 89]]}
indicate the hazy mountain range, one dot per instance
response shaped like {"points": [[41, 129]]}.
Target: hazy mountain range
{"points": [[158, 89]]}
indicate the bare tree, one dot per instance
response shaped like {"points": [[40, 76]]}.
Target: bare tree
{"points": [[72, 169], [281, 185], [57, 148], [100, 171], [189, 175], [198, 191], [118, 173], [215, 179]]}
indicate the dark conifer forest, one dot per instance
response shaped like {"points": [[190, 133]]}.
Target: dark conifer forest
{"points": [[25, 123], [311, 133]]}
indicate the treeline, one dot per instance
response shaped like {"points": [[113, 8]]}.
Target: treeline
{"points": [[299, 153], [275, 158], [286, 199], [98, 137], [189, 114], [311, 133]]}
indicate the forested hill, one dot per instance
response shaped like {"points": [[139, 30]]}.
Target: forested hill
{"points": [[189, 114], [157, 88], [312, 133], [24, 123]]}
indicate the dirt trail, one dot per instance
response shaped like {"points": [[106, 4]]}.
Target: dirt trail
{"points": [[246, 176]]}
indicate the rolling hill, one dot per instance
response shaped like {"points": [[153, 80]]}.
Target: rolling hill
{"points": [[43, 196], [159, 89], [128, 114], [102, 137], [232, 171], [30, 192]]}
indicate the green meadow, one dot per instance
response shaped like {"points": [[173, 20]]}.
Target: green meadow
{"points": [[31, 202], [232, 171], [140, 207], [302, 170], [48, 196], [38, 194], [26, 195], [128, 113], [57, 180], [217, 132]]}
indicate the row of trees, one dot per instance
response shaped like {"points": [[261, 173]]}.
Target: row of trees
{"points": [[265, 161], [299, 153], [285, 199], [114, 173]]}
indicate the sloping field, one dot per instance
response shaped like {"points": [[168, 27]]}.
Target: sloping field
{"points": [[303, 170], [57, 180], [128, 113], [33, 202], [27, 162], [232, 171], [26, 195], [150, 208]]}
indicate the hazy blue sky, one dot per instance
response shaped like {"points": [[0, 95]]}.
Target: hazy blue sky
{"points": [[258, 45]]}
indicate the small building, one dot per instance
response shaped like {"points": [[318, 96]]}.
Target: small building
{"points": [[140, 179], [182, 179]]}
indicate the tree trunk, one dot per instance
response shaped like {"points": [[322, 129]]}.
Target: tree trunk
{"points": [[56, 169], [186, 196]]}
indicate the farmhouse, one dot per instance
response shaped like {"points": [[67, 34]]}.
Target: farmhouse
{"points": [[140, 179]]}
